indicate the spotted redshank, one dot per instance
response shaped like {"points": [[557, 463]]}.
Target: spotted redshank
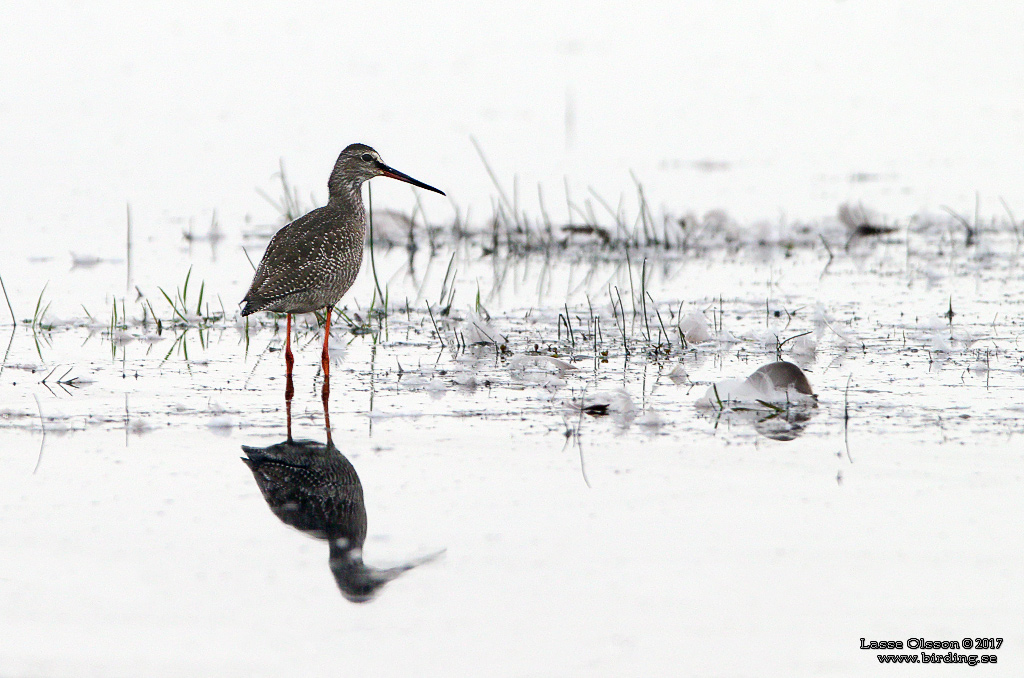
{"points": [[311, 263]]}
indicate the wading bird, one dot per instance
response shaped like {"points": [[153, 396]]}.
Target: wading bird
{"points": [[311, 263]]}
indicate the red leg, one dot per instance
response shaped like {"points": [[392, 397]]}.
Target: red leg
{"points": [[325, 361], [288, 410], [327, 415], [289, 360]]}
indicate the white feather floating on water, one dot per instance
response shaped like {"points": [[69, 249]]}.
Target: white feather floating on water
{"points": [[465, 378], [336, 349], [823, 321], [804, 346], [779, 383], [694, 327], [539, 363], [121, 338], [769, 339], [221, 424], [650, 419], [941, 342], [413, 381], [678, 374], [476, 330], [724, 336]]}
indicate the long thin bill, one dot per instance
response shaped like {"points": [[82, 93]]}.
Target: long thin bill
{"points": [[395, 174]]}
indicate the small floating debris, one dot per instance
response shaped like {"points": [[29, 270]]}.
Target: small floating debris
{"points": [[583, 231], [708, 165], [606, 402], [140, 427], [89, 261]]}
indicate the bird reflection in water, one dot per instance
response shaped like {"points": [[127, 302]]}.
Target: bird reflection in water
{"points": [[315, 489]]}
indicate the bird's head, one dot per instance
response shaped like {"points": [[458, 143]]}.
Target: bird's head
{"points": [[359, 163]]}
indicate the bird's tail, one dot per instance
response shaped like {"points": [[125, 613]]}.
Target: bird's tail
{"points": [[251, 306]]}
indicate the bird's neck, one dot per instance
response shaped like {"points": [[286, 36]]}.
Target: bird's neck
{"points": [[347, 197]]}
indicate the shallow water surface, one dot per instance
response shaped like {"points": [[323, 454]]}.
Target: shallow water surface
{"points": [[569, 508]]}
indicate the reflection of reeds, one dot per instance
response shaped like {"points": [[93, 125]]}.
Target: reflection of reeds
{"points": [[1013, 221], [128, 248], [971, 229], [14, 319], [38, 323]]}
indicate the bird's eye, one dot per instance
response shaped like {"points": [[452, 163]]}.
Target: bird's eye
{"points": [[367, 157]]}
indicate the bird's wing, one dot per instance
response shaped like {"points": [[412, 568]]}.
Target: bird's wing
{"points": [[293, 261]]}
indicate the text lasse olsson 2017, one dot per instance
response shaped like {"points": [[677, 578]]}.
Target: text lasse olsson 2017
{"points": [[915, 643]]}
